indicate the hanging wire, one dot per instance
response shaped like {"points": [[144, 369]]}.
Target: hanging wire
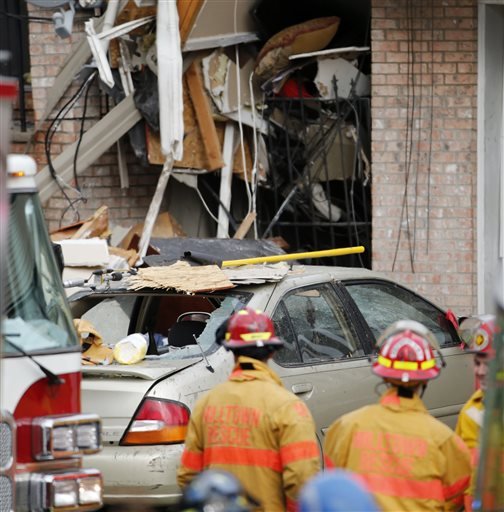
{"points": [[36, 19], [429, 162], [352, 198], [240, 124], [81, 131], [53, 127], [408, 141], [256, 152], [203, 202], [418, 78]]}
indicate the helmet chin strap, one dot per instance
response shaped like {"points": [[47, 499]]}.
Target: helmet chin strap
{"points": [[409, 390]]}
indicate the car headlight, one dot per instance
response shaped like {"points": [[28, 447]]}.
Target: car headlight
{"points": [[57, 437]]}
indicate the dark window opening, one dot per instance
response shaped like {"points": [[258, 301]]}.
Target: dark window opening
{"points": [[14, 40]]}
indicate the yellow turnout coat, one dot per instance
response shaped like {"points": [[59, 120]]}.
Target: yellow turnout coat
{"points": [[254, 428], [409, 460]]}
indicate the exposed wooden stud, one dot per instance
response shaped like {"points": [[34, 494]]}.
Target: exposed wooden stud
{"points": [[95, 225], [153, 212], [245, 226], [187, 10]]}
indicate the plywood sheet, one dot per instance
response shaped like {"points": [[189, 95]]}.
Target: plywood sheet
{"points": [[203, 110], [194, 150], [181, 277]]}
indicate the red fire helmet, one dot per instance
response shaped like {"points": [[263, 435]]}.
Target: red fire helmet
{"points": [[477, 333], [407, 353], [250, 328]]}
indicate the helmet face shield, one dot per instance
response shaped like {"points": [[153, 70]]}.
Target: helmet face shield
{"points": [[477, 334], [407, 353]]}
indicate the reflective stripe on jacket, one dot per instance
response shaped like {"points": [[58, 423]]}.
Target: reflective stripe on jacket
{"points": [[254, 428], [409, 460], [468, 427]]}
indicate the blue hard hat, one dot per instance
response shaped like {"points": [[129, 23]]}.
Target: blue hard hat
{"points": [[215, 490], [336, 490]]}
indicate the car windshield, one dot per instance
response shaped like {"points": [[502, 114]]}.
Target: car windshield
{"points": [[37, 317], [177, 326]]}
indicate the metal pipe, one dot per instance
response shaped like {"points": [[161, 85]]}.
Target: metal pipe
{"points": [[299, 256]]}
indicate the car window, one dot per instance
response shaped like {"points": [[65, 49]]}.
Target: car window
{"points": [[289, 353], [181, 326], [111, 317], [383, 303], [315, 326]]}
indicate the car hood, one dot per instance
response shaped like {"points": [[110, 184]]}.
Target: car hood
{"points": [[148, 369]]}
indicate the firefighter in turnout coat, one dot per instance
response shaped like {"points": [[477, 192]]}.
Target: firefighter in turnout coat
{"points": [[251, 426], [409, 460], [477, 336]]}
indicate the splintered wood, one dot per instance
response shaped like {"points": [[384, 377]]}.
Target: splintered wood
{"points": [[181, 277]]}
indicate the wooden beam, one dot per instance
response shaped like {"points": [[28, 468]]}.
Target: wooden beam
{"points": [[204, 115], [96, 225], [187, 10], [245, 226]]}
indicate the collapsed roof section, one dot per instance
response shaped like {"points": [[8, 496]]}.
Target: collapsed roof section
{"points": [[214, 90]]}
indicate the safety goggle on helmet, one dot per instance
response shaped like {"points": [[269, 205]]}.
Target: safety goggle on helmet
{"points": [[477, 333], [250, 328], [406, 353]]}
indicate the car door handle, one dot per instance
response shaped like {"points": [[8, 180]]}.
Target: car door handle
{"points": [[305, 387]]}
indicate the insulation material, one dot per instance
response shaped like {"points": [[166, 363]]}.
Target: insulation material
{"points": [[181, 277], [85, 253]]}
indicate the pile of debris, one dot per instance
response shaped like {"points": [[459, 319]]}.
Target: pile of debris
{"points": [[196, 87]]}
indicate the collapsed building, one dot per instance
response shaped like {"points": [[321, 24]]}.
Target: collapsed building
{"points": [[321, 125]]}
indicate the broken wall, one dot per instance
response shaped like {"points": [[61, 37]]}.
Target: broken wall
{"points": [[100, 183], [424, 71]]}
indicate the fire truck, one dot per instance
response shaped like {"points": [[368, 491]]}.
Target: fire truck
{"points": [[43, 435]]}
